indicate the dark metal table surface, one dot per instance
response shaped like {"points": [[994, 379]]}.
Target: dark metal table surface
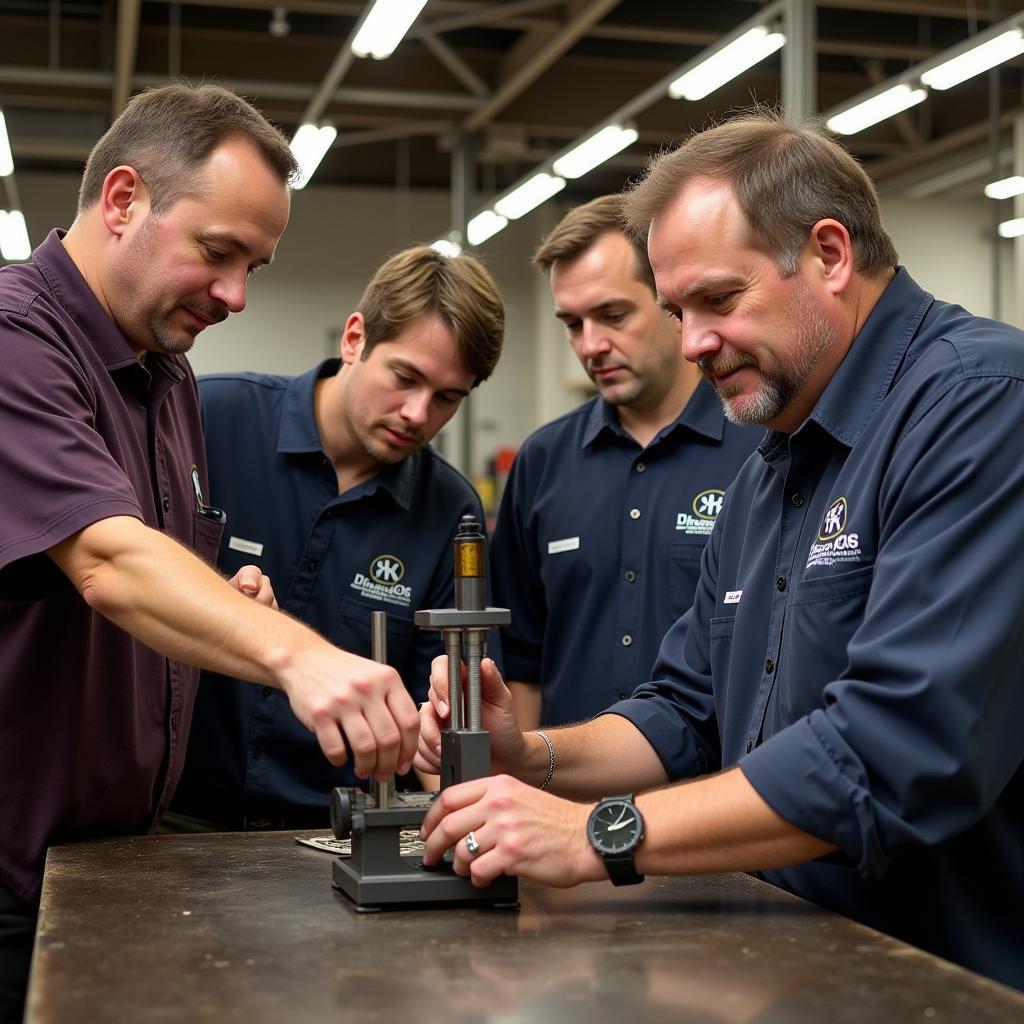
{"points": [[246, 927]]}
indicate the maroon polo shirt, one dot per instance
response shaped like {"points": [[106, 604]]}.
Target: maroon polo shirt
{"points": [[93, 723]]}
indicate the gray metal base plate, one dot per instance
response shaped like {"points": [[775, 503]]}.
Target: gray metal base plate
{"points": [[416, 886]]}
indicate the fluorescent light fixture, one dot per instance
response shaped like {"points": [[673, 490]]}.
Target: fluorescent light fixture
{"points": [[1012, 228], [483, 226], [875, 109], [1005, 188], [980, 58], [385, 26], [724, 65], [529, 195], [309, 147], [6, 159], [446, 247], [593, 151], [14, 243]]}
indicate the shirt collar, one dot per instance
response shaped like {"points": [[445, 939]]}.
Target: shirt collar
{"points": [[866, 374], [298, 431], [71, 289], [702, 415], [299, 434]]}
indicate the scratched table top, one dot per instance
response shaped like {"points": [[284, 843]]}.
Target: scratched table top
{"points": [[246, 926]]}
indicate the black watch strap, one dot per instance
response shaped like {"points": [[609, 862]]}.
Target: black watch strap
{"points": [[621, 868]]}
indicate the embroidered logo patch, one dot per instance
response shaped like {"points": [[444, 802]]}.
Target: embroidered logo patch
{"points": [[705, 509], [834, 521], [834, 544], [383, 581]]}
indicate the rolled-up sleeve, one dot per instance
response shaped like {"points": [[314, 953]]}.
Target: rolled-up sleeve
{"points": [[919, 736]]}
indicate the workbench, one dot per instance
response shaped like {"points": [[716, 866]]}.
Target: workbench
{"points": [[246, 926]]}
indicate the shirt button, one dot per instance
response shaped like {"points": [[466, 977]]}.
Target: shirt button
{"points": [[257, 753], [623, 695], [769, 666], [311, 565], [797, 500], [634, 513], [780, 583], [641, 467], [630, 576], [174, 723], [167, 503], [266, 691], [750, 746], [627, 640]]}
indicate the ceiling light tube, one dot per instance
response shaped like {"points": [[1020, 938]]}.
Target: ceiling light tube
{"points": [[6, 158], [528, 196], [1005, 188], [483, 226], [1012, 228], [599, 147], [979, 58], [725, 64], [877, 108], [385, 26], [14, 243], [447, 247], [309, 147]]}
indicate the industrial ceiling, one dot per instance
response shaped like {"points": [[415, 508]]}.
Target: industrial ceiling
{"points": [[519, 78]]}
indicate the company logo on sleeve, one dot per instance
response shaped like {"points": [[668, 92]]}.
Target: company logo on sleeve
{"points": [[834, 544], [705, 509], [383, 581]]}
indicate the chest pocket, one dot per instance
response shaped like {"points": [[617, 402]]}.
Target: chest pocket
{"points": [[352, 631], [206, 537], [683, 572], [821, 617]]}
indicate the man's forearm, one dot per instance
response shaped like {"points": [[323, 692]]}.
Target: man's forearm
{"points": [[718, 823], [602, 757], [160, 592]]}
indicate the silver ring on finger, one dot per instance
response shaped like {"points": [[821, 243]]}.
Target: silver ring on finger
{"points": [[472, 845]]}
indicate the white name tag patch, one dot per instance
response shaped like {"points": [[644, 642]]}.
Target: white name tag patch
{"points": [[565, 544], [732, 597], [250, 547]]}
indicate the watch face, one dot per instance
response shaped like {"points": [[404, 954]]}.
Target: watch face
{"points": [[614, 827]]}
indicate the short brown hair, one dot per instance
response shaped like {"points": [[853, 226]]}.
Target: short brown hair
{"points": [[786, 177], [167, 132], [580, 229], [420, 281]]}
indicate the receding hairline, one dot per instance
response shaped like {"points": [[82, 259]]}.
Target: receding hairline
{"points": [[636, 273], [199, 186]]}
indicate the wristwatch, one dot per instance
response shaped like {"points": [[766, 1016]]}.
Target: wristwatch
{"points": [[615, 829]]}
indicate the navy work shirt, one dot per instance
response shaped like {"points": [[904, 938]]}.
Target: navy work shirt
{"points": [[92, 721], [598, 543], [857, 639], [384, 545]]}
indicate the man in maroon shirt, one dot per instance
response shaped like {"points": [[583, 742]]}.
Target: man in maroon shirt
{"points": [[106, 614]]}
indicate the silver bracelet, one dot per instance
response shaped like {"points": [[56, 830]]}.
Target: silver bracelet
{"points": [[551, 756]]}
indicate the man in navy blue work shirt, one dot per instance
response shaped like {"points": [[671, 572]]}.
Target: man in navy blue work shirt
{"points": [[105, 612], [849, 672], [333, 490], [608, 508]]}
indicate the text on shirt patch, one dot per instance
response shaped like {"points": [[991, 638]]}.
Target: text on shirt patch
{"points": [[706, 507], [565, 544], [834, 544], [732, 597], [383, 581], [250, 547]]}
